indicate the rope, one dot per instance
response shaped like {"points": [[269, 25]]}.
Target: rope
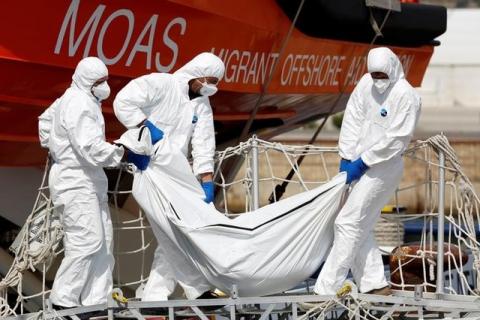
{"points": [[36, 244], [265, 86], [39, 242], [464, 205], [270, 153], [346, 298]]}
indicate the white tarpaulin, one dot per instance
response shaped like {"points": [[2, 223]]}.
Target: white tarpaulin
{"points": [[265, 251]]}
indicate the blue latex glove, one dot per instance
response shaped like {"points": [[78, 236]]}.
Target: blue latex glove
{"points": [[355, 170], [155, 132], [344, 163], [139, 160], [208, 188]]}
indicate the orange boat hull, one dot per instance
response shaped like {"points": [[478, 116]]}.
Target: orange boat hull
{"points": [[42, 41]]}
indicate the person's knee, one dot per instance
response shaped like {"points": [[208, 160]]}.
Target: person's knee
{"points": [[94, 241], [91, 245], [83, 227]]}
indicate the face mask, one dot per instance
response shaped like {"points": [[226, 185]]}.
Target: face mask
{"points": [[208, 89], [102, 91], [381, 84]]}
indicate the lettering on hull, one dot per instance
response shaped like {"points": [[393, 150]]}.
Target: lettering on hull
{"points": [[248, 67], [98, 28]]}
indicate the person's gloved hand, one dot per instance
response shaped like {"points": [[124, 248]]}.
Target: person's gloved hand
{"points": [[355, 170], [155, 132], [344, 163], [139, 160], [208, 188]]}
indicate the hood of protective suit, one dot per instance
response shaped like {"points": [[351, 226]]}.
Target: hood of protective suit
{"points": [[205, 64], [384, 60], [87, 72]]}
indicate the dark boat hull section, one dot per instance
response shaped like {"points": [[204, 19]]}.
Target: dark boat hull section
{"points": [[349, 20]]}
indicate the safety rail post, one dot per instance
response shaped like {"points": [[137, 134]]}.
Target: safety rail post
{"points": [[441, 221], [255, 178]]}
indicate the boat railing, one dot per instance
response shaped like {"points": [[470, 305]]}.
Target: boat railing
{"points": [[441, 282]]}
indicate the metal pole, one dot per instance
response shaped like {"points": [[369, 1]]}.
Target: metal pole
{"points": [[255, 189], [441, 220], [232, 312]]}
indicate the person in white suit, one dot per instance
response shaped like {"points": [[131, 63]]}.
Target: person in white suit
{"points": [[377, 127], [176, 107], [73, 130]]}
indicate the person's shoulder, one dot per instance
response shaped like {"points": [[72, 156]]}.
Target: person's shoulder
{"points": [[155, 80], [404, 91], [76, 101], [405, 88], [202, 100], [71, 96], [203, 104], [158, 76]]}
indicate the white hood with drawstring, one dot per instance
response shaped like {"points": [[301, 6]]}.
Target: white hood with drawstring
{"points": [[378, 126]]}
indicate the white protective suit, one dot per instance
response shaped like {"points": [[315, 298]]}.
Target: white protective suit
{"points": [[72, 128], [378, 128], [164, 100]]}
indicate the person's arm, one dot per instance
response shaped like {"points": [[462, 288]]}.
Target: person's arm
{"points": [[86, 135], [352, 122], [134, 102], [208, 187], [203, 141], [45, 124], [399, 133], [207, 176]]}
